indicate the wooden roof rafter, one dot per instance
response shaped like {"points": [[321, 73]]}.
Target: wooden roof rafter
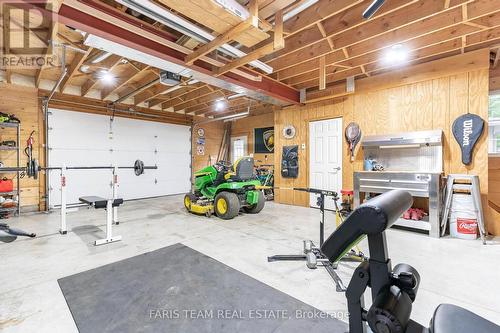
{"points": [[476, 14], [110, 63], [122, 82]]}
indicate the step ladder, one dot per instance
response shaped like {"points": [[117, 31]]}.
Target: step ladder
{"points": [[464, 183]]}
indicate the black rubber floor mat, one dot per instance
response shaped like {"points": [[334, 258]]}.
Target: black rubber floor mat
{"points": [[177, 289]]}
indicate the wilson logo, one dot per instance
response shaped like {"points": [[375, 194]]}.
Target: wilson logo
{"points": [[467, 132]]}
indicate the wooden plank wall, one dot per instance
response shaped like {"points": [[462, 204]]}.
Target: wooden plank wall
{"points": [[246, 127], [431, 102], [24, 103], [213, 136]]}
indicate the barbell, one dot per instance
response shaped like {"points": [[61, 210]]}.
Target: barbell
{"points": [[32, 168]]}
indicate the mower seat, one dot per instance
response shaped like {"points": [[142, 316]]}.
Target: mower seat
{"points": [[454, 319], [242, 170]]}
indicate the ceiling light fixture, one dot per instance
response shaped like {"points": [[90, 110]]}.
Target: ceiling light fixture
{"points": [[85, 68], [396, 55], [220, 105], [106, 77]]}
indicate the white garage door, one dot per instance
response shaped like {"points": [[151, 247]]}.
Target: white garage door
{"points": [[81, 139]]}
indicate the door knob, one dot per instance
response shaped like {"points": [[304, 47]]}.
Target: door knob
{"points": [[337, 168]]}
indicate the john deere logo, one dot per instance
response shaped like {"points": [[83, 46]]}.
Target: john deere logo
{"points": [[268, 137]]}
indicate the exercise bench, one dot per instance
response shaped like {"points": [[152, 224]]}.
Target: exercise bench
{"points": [[109, 205]]}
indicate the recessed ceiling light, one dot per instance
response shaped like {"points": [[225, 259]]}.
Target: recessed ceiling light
{"points": [[396, 55], [85, 68], [220, 105], [106, 77]]}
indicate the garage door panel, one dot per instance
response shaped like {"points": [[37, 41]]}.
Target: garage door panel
{"points": [[80, 139]]}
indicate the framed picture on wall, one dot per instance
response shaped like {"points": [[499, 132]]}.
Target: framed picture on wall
{"points": [[264, 140]]}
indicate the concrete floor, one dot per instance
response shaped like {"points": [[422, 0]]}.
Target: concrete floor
{"points": [[454, 271]]}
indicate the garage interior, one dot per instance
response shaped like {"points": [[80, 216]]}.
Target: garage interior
{"points": [[250, 165]]}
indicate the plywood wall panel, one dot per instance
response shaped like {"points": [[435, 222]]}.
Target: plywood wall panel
{"points": [[441, 114], [424, 96], [213, 137], [459, 105]]}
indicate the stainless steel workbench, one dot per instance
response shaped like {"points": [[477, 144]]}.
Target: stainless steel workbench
{"points": [[419, 184]]}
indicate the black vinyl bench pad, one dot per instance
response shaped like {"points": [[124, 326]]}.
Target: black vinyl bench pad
{"points": [[99, 202]]}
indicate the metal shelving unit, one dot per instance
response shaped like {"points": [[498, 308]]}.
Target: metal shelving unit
{"points": [[17, 192]]}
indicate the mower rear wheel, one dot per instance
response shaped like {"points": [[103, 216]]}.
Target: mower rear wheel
{"points": [[256, 208], [188, 200], [227, 205]]}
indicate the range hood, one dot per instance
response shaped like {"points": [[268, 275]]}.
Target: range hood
{"points": [[405, 140]]}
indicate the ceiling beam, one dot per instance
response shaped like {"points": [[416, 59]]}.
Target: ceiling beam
{"points": [[277, 44], [177, 94], [110, 23], [444, 26], [48, 50], [200, 101], [325, 30], [232, 104], [218, 41], [142, 85], [148, 94], [122, 82], [186, 96], [438, 42], [396, 16], [279, 37], [320, 11], [73, 68], [90, 105], [109, 63], [322, 73]]}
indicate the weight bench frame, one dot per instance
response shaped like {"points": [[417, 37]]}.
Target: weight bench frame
{"points": [[109, 205], [111, 208]]}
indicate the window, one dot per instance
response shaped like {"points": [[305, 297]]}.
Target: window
{"points": [[238, 147], [494, 124]]}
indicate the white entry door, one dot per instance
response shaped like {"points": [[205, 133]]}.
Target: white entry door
{"points": [[325, 159]]}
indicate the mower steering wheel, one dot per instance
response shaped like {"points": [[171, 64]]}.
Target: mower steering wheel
{"points": [[224, 165]]}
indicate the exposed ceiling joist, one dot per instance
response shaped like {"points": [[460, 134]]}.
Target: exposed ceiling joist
{"points": [[48, 50], [277, 44], [176, 94], [114, 25], [122, 82], [218, 41], [186, 95], [441, 27], [109, 64], [74, 67]]}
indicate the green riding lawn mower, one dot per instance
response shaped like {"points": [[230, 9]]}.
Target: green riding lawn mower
{"points": [[225, 189]]}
